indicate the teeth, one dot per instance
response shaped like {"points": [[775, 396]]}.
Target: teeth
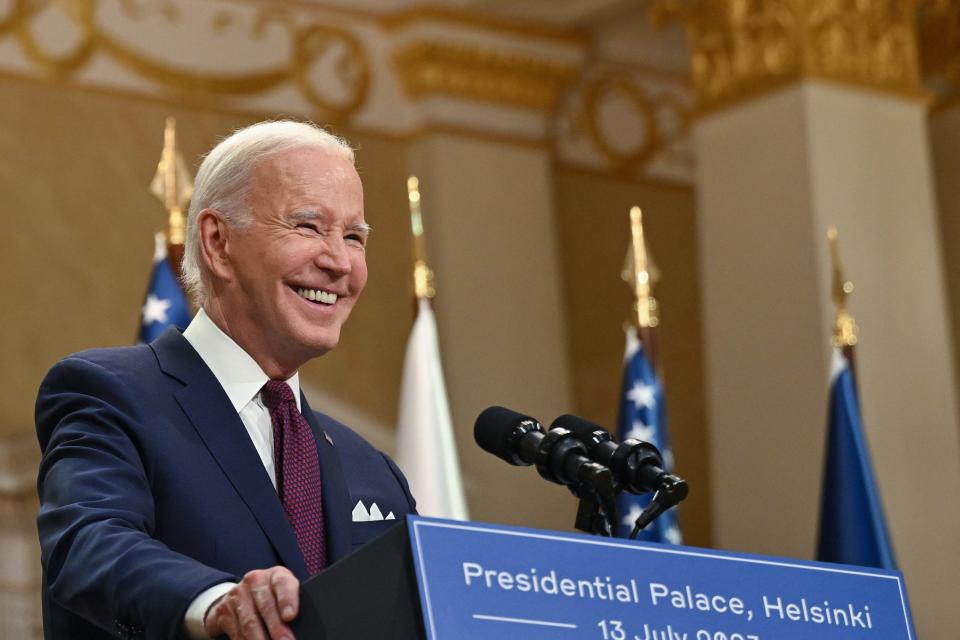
{"points": [[317, 295]]}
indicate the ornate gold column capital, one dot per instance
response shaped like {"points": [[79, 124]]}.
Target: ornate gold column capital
{"points": [[740, 48]]}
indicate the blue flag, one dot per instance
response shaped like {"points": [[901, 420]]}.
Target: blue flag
{"points": [[165, 303], [852, 526], [643, 416]]}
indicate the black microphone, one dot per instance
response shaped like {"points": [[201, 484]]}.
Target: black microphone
{"points": [[636, 465], [559, 455]]}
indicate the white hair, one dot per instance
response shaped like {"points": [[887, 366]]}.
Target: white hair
{"points": [[223, 181]]}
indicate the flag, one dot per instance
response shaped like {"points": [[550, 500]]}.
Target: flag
{"points": [[165, 303], [852, 526], [643, 416], [426, 450]]}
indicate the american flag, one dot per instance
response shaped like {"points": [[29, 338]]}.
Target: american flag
{"points": [[165, 303], [643, 416]]}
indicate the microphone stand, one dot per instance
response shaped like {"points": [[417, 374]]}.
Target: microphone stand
{"points": [[597, 511], [560, 458]]}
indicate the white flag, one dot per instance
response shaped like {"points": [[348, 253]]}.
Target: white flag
{"points": [[425, 447]]}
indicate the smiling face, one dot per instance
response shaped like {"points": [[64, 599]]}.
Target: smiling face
{"points": [[284, 284]]}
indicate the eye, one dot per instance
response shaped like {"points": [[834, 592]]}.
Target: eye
{"points": [[357, 239], [308, 228]]}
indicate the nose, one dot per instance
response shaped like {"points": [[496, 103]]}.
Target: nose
{"points": [[334, 257]]}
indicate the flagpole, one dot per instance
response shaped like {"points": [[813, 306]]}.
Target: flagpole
{"points": [[852, 526], [173, 187], [844, 326], [426, 447], [422, 274], [637, 274], [642, 413]]}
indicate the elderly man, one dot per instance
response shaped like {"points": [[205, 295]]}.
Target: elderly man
{"points": [[186, 487]]}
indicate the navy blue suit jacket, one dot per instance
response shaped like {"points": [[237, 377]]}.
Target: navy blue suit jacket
{"points": [[151, 491]]}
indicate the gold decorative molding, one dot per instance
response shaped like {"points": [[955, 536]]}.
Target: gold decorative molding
{"points": [[460, 17], [594, 95], [740, 48], [479, 73], [628, 120], [365, 71], [309, 44]]}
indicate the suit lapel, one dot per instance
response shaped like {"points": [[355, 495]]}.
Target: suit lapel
{"points": [[208, 408], [336, 497]]}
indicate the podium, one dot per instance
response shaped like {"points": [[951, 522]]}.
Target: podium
{"points": [[441, 579], [371, 594]]}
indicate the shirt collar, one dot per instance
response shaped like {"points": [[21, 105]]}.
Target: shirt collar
{"points": [[236, 371]]}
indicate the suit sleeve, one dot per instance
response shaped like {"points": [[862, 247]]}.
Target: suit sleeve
{"points": [[96, 515]]}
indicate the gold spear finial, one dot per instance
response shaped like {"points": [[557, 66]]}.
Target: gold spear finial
{"points": [[172, 184], [636, 272], [422, 275], [844, 327]]}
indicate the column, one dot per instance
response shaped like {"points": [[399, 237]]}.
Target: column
{"points": [[811, 115]]}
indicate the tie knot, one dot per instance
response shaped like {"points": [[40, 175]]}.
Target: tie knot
{"points": [[275, 393]]}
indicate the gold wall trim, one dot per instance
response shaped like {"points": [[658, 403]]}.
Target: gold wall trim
{"points": [[524, 28], [594, 95], [449, 15], [612, 98], [255, 115], [480, 73], [308, 44], [741, 49], [633, 173]]}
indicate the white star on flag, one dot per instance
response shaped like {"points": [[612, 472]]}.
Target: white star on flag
{"points": [[155, 309], [643, 432], [642, 395], [672, 535], [630, 519]]}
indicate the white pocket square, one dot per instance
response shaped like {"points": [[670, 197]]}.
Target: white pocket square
{"points": [[362, 514]]}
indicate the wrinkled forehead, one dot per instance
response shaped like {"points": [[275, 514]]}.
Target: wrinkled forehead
{"points": [[304, 176], [306, 166]]}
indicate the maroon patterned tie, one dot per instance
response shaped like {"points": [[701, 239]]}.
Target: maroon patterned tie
{"points": [[298, 473]]}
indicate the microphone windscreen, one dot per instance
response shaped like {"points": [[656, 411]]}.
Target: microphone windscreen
{"points": [[578, 426], [493, 430]]}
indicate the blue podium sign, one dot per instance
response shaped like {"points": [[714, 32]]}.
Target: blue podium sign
{"points": [[489, 581]]}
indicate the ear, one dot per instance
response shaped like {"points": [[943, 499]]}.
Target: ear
{"points": [[214, 236]]}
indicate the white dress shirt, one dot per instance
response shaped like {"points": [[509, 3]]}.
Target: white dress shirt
{"points": [[242, 379]]}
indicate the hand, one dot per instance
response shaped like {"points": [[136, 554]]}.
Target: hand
{"points": [[257, 608]]}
